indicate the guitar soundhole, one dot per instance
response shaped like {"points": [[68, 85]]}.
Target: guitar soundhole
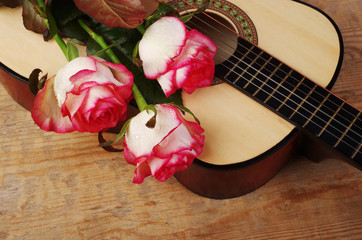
{"points": [[219, 30], [223, 22]]}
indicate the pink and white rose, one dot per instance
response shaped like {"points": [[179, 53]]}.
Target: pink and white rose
{"points": [[87, 95], [177, 58], [171, 145]]}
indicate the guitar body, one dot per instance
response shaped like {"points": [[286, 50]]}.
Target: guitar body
{"points": [[246, 144]]}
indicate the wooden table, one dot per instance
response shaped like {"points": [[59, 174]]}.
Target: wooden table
{"points": [[55, 186]]}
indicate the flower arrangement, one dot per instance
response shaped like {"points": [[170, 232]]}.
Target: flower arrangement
{"points": [[126, 52]]}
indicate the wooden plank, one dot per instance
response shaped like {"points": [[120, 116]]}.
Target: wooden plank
{"points": [[55, 186]]}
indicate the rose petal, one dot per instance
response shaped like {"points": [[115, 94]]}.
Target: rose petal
{"points": [[196, 36], [101, 75], [196, 42], [62, 83], [137, 130], [162, 41], [46, 112], [142, 171], [166, 82], [181, 76], [120, 72]]}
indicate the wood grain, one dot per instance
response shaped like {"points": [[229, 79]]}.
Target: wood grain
{"points": [[55, 186]]}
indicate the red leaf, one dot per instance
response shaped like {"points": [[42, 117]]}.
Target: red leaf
{"points": [[11, 3], [114, 13], [32, 21]]}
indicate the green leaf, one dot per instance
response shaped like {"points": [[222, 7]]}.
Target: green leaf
{"points": [[103, 143], [52, 24], [72, 50], [66, 14], [65, 11], [127, 38], [202, 8], [93, 49], [205, 4], [151, 107], [103, 51], [185, 109], [162, 10], [119, 135]]}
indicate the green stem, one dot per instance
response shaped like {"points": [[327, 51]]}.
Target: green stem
{"points": [[100, 40], [58, 39], [140, 100], [46, 16], [141, 29], [41, 4]]}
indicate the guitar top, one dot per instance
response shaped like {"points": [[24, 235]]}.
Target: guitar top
{"points": [[245, 129]]}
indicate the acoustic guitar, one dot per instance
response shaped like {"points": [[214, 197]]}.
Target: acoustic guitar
{"points": [[276, 61]]}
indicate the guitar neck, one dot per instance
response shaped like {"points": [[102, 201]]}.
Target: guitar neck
{"points": [[294, 97]]}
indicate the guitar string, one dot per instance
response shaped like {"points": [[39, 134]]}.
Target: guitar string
{"points": [[324, 129], [292, 93], [309, 88], [281, 70], [328, 100], [326, 122]]}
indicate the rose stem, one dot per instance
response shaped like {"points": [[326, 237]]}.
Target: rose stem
{"points": [[57, 37], [140, 100]]}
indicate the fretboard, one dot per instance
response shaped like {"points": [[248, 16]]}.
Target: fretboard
{"points": [[294, 97]]}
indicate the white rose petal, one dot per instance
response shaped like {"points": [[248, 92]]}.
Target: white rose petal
{"points": [[162, 41], [62, 85]]}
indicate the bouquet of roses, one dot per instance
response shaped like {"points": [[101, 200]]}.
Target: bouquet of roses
{"points": [[126, 52]]}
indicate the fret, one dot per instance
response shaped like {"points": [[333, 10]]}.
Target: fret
{"points": [[316, 110], [280, 84], [350, 142], [257, 87], [356, 152], [290, 94], [246, 69], [295, 97], [261, 68], [347, 129], [330, 120], [303, 101], [232, 69], [317, 119], [254, 76], [268, 78], [234, 65]]}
